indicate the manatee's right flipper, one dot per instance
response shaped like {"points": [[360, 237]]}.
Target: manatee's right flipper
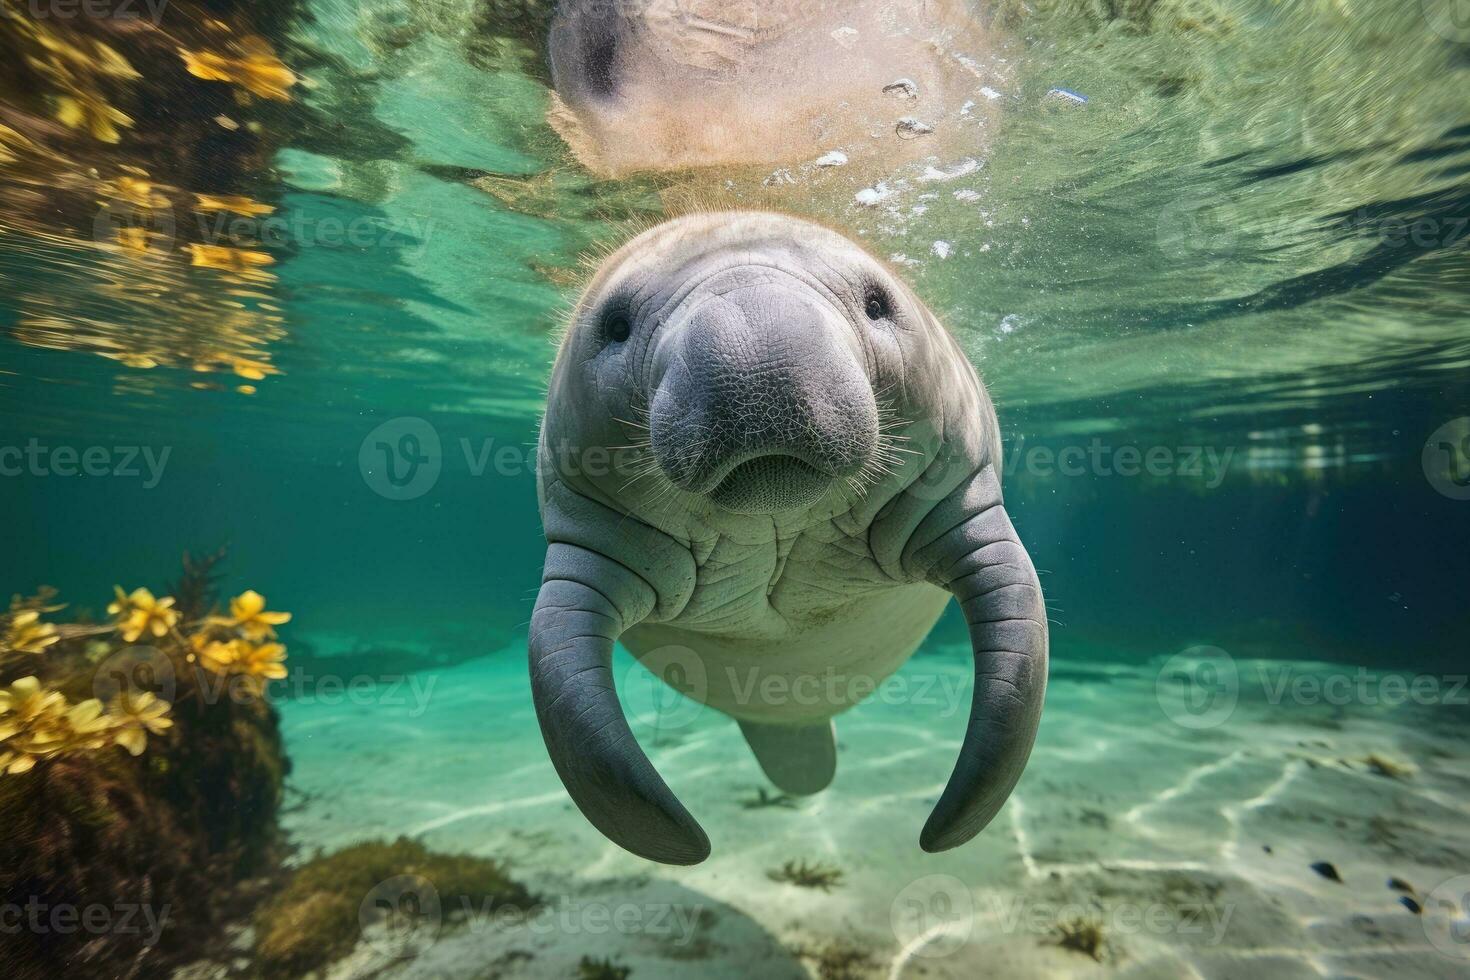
{"points": [[799, 759]]}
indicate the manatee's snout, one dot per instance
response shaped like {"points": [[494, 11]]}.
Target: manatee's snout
{"points": [[763, 403]]}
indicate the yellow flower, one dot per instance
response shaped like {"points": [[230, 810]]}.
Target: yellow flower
{"points": [[247, 611], [27, 634], [213, 654], [32, 724], [255, 662], [87, 727], [135, 716], [140, 613], [268, 660]]}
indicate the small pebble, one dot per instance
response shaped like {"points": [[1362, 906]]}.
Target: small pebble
{"points": [[909, 128], [989, 93], [870, 196], [834, 159], [904, 88], [1328, 871], [1067, 95]]}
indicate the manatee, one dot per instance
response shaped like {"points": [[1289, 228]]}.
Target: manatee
{"points": [[766, 464], [664, 84]]}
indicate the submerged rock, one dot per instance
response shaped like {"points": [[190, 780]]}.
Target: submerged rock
{"points": [[909, 128], [1327, 870]]}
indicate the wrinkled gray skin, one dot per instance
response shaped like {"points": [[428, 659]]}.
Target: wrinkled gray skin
{"points": [[809, 475]]}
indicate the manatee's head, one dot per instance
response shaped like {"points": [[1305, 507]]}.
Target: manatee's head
{"points": [[753, 359], [665, 84]]}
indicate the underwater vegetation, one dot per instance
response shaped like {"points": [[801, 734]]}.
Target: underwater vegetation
{"points": [[317, 917], [807, 875], [140, 766], [603, 969], [839, 961], [764, 799], [1083, 936]]}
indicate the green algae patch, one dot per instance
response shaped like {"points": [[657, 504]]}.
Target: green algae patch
{"points": [[400, 889]]}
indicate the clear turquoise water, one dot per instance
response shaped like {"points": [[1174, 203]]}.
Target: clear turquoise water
{"points": [[1249, 246]]}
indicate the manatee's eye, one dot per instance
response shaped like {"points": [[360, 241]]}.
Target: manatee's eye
{"points": [[616, 326], [877, 305]]}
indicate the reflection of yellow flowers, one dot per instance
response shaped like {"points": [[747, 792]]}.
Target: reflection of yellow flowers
{"points": [[135, 716], [248, 613], [233, 204], [27, 634], [242, 261], [252, 65], [140, 613]]}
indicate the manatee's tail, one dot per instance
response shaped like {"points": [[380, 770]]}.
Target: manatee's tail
{"points": [[799, 759]]}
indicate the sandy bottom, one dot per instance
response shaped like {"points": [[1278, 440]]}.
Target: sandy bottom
{"points": [[1179, 807]]}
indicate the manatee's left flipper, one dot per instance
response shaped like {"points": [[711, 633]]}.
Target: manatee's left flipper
{"points": [[966, 544], [799, 759]]}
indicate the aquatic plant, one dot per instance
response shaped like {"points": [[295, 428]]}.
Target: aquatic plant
{"points": [[1388, 766], [25, 633], [604, 969], [248, 615], [120, 784], [807, 875], [839, 961], [1082, 935], [139, 612], [314, 919], [765, 799]]}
